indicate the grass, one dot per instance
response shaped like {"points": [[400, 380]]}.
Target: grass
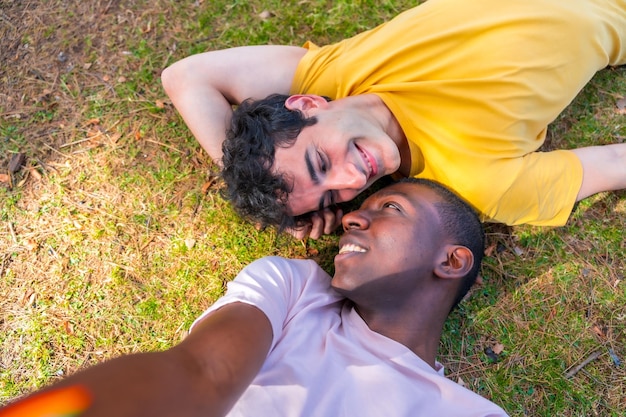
{"points": [[114, 236]]}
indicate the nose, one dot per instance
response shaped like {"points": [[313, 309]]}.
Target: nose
{"points": [[346, 176], [357, 219]]}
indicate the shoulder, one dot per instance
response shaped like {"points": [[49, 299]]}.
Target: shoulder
{"points": [[289, 271], [285, 265]]}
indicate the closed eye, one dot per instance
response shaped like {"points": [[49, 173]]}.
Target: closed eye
{"points": [[323, 166]]}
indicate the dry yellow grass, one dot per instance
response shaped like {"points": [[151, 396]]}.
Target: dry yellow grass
{"points": [[113, 236]]}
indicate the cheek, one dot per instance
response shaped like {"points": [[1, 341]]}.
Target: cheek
{"points": [[346, 195]]}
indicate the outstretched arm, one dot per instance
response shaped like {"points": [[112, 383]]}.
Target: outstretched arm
{"points": [[604, 168], [203, 87], [202, 376]]}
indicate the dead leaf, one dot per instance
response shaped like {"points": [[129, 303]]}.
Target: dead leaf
{"points": [[5, 178], [207, 185], [121, 79], [69, 328], [94, 132], [30, 244], [33, 171], [91, 122], [312, 252], [32, 299], [498, 348], [148, 27], [115, 137], [17, 160], [190, 243], [159, 104], [598, 331], [266, 14], [490, 249], [29, 292], [106, 78]]}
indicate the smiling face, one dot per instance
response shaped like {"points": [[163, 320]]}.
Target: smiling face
{"points": [[391, 242], [335, 159]]}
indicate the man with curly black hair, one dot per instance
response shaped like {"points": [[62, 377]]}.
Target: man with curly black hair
{"points": [[456, 91]]}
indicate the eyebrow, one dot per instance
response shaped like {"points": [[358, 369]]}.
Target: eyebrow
{"points": [[383, 193], [415, 203], [314, 177], [386, 193]]}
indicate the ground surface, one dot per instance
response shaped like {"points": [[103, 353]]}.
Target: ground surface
{"points": [[113, 236]]}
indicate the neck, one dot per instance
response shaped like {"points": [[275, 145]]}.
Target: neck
{"points": [[419, 330]]}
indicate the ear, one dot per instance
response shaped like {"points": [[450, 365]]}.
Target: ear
{"points": [[305, 102], [456, 262]]}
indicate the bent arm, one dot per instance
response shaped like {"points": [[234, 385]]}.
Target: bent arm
{"points": [[203, 87], [604, 168], [202, 376]]}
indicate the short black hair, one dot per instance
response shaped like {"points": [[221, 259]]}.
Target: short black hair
{"points": [[460, 222]]}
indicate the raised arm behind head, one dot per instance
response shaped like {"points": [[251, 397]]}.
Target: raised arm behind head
{"points": [[204, 87]]}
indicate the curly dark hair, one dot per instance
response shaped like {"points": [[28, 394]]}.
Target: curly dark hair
{"points": [[460, 221], [256, 192]]}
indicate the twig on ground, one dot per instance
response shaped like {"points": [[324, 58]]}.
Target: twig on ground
{"points": [[164, 145], [76, 142], [3, 264], [592, 357], [55, 150], [12, 232]]}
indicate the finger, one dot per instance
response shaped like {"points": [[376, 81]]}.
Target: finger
{"points": [[317, 226], [299, 232], [332, 219]]}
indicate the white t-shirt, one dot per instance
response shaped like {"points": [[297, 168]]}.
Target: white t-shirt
{"points": [[324, 360]]}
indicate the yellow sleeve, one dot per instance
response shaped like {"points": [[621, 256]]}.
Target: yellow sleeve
{"points": [[543, 193]]}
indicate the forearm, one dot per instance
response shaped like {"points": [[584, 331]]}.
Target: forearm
{"points": [[205, 110], [154, 384], [604, 168], [202, 376]]}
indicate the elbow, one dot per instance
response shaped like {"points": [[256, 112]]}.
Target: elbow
{"points": [[168, 80], [176, 77], [179, 79]]}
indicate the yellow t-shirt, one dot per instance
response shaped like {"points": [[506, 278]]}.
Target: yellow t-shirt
{"points": [[474, 85]]}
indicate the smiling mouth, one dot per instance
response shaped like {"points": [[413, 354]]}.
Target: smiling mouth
{"points": [[372, 167], [350, 248]]}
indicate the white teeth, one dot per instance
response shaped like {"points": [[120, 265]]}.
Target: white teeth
{"points": [[351, 248], [367, 161]]}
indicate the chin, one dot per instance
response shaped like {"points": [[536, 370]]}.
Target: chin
{"points": [[342, 285]]}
